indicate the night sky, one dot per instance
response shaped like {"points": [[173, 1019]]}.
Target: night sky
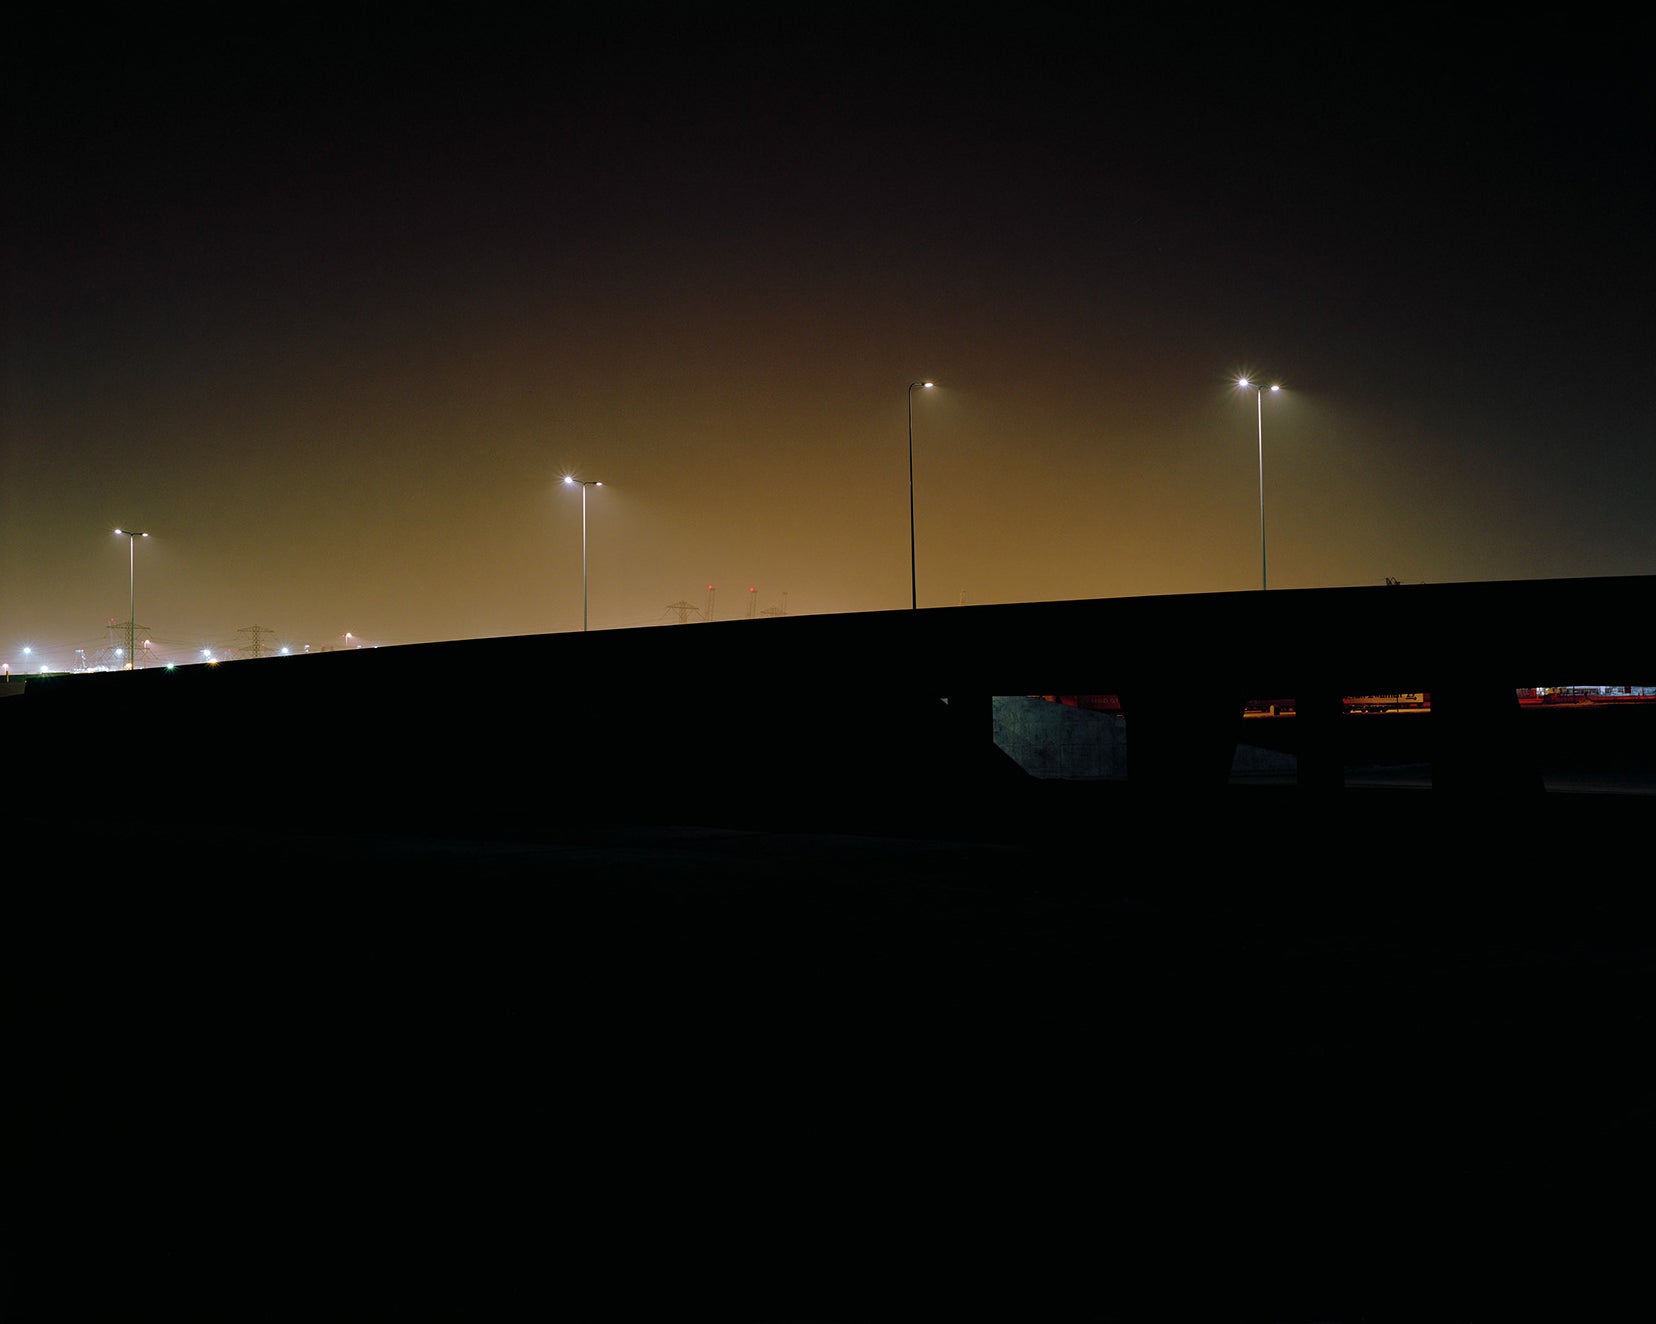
{"points": [[330, 310]]}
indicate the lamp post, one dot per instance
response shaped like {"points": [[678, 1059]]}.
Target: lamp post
{"points": [[1259, 403], [132, 593], [570, 481], [914, 581]]}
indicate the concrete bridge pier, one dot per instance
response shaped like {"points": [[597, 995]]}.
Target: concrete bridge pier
{"points": [[1477, 747], [1181, 734], [964, 741], [1319, 752]]}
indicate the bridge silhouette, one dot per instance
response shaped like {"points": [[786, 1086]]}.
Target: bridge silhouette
{"points": [[823, 721], [335, 1051]]}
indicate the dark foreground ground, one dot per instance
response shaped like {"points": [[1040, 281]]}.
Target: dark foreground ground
{"points": [[1297, 1060]]}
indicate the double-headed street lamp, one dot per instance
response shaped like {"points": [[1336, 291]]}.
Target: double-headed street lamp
{"points": [[570, 481], [132, 593], [914, 582], [1259, 403]]}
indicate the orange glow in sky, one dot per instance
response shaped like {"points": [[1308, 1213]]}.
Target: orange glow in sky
{"points": [[334, 329]]}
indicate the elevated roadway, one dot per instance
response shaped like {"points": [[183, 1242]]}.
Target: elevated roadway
{"points": [[827, 719]]}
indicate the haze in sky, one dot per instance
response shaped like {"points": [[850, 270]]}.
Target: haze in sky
{"points": [[331, 311]]}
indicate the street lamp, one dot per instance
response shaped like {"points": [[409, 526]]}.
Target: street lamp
{"points": [[914, 583], [584, 483], [1259, 409], [132, 592]]}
